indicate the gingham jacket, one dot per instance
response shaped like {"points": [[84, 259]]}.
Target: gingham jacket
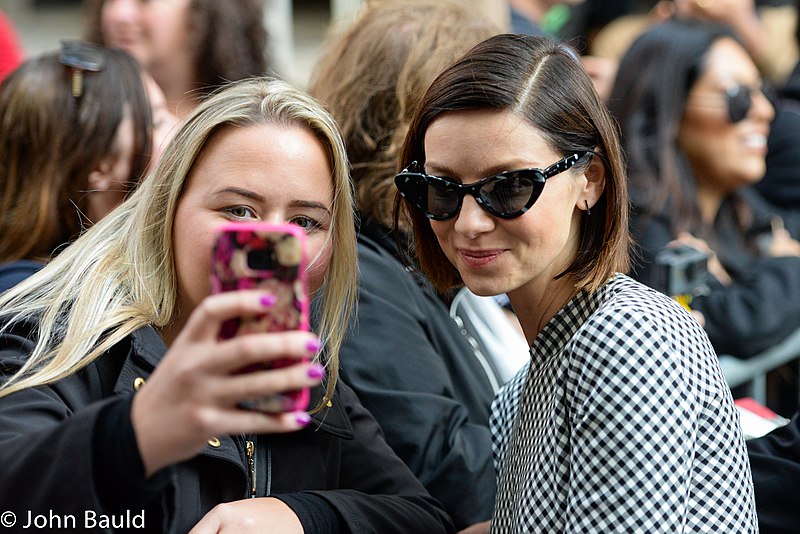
{"points": [[623, 422]]}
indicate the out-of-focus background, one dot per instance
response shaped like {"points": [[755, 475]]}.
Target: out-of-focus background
{"points": [[296, 27]]}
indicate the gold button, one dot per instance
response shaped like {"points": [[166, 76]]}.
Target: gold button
{"points": [[138, 382], [214, 442], [329, 404]]}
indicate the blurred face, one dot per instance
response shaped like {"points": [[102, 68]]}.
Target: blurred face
{"points": [[495, 255], [269, 173], [164, 120], [725, 155], [111, 181], [151, 30]]}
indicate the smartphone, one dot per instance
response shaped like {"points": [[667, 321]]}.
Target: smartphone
{"points": [[270, 257]]}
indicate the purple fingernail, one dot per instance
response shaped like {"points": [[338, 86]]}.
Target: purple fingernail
{"points": [[316, 371], [302, 418], [268, 300], [313, 345]]}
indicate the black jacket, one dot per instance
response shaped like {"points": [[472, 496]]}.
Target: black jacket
{"points": [[775, 463], [70, 447], [762, 305], [417, 374], [781, 183]]}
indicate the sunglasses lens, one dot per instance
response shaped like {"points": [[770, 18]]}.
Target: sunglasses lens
{"points": [[511, 192], [739, 102], [434, 197], [442, 200]]}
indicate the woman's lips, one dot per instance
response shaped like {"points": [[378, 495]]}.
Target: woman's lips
{"points": [[479, 258]]}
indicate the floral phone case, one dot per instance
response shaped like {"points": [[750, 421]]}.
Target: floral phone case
{"points": [[272, 258]]}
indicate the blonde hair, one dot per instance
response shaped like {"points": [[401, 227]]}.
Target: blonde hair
{"points": [[120, 275]]}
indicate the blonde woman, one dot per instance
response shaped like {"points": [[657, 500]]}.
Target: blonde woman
{"points": [[118, 398]]}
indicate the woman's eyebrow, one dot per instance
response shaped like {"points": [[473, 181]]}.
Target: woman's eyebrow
{"points": [[246, 193], [311, 204], [242, 192]]}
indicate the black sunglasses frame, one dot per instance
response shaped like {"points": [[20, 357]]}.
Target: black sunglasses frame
{"points": [[536, 176], [739, 99]]}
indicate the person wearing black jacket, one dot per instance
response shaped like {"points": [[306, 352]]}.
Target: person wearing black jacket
{"points": [[86, 417], [421, 379], [406, 358], [694, 124], [119, 402]]}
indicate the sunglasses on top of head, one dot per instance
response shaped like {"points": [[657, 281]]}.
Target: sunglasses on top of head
{"points": [[81, 56], [506, 195]]}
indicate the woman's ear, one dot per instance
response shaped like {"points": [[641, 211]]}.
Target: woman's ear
{"points": [[100, 178], [595, 183]]}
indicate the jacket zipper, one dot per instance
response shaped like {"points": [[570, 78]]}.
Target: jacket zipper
{"points": [[250, 448]]}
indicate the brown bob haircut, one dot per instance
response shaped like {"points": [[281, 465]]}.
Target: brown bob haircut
{"points": [[544, 83]]}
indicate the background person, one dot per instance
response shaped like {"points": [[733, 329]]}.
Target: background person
{"points": [[695, 130], [407, 359], [188, 46], [11, 53], [68, 160]]}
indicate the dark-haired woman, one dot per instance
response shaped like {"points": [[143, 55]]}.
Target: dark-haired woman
{"points": [[514, 184], [694, 125]]}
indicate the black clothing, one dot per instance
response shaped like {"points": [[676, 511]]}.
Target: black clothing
{"points": [[762, 305], [791, 87], [417, 374], [15, 272], [775, 463], [69, 447], [781, 183]]}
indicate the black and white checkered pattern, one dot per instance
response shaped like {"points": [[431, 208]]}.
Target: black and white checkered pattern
{"points": [[622, 423]]}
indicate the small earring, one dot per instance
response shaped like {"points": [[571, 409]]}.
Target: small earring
{"points": [[588, 210]]}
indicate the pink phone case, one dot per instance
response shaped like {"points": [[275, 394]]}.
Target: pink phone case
{"points": [[269, 257]]}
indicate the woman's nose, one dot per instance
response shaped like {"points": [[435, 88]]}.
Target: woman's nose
{"points": [[472, 219], [762, 108]]}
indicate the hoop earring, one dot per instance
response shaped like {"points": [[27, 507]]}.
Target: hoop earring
{"points": [[588, 210]]}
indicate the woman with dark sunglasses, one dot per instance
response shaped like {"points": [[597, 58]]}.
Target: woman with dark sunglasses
{"points": [[623, 420], [694, 126]]}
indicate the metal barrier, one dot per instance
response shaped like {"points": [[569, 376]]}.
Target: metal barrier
{"points": [[752, 372]]}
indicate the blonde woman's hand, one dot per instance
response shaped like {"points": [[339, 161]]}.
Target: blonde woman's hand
{"points": [[714, 265], [264, 515], [195, 391]]}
